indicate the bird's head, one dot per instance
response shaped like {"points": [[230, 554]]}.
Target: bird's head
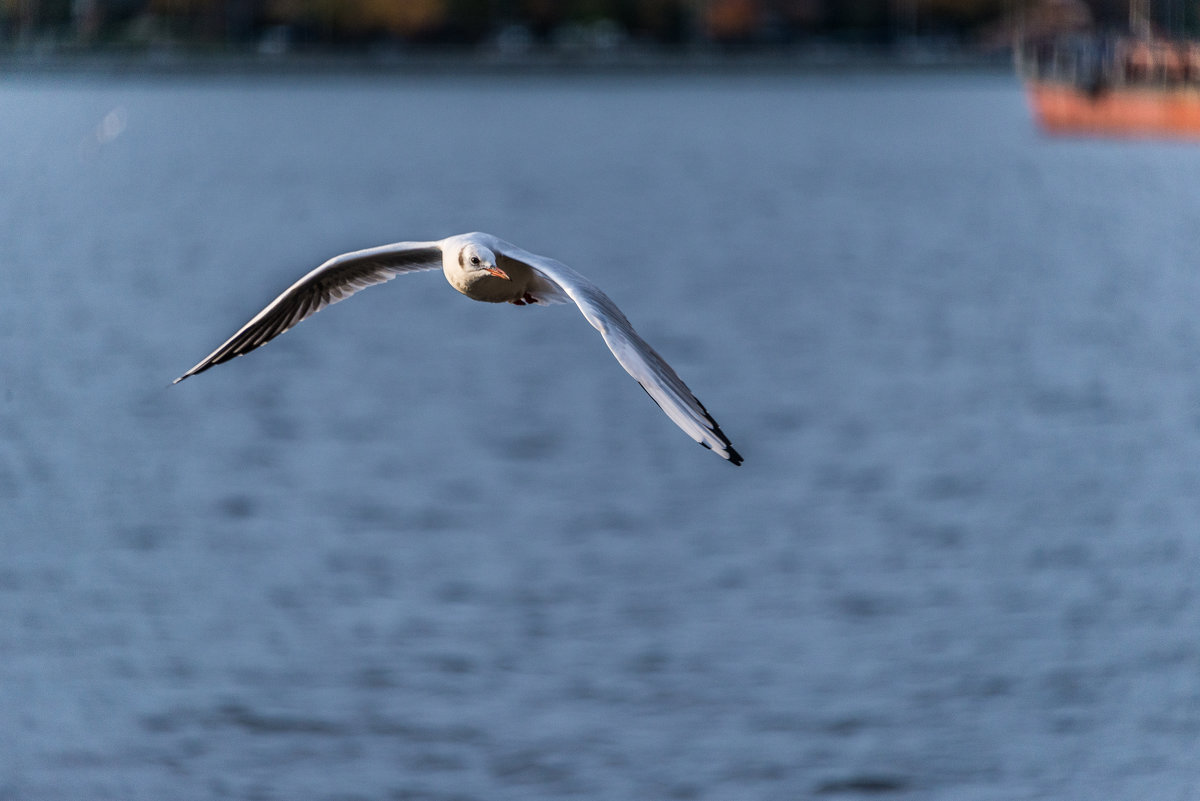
{"points": [[477, 258]]}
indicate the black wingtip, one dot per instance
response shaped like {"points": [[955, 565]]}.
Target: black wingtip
{"points": [[731, 455], [188, 374], [198, 369], [734, 457]]}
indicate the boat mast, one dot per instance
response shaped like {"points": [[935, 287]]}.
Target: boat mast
{"points": [[1139, 18]]}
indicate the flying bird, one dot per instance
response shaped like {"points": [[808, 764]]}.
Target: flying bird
{"points": [[488, 269]]}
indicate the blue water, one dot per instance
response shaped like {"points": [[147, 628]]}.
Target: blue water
{"points": [[423, 548]]}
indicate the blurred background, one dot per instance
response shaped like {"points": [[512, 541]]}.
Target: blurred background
{"points": [[516, 27], [276, 24], [422, 548]]}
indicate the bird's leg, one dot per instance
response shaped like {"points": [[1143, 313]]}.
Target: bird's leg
{"points": [[525, 299]]}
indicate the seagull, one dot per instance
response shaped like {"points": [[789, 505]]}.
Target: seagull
{"points": [[487, 269]]}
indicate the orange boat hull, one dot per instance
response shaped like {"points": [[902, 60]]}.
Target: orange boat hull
{"points": [[1135, 112]]}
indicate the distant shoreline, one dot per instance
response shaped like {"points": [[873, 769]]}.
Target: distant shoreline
{"points": [[179, 61]]}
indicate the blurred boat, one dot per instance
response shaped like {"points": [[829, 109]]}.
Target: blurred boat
{"points": [[1135, 85], [1120, 87]]}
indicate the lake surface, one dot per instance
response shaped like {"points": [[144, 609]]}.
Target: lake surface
{"points": [[423, 548]]}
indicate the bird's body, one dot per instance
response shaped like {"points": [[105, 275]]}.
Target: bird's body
{"points": [[490, 270]]}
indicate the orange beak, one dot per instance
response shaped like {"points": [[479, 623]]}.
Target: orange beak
{"points": [[496, 271]]}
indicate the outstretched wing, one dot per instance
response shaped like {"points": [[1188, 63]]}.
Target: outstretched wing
{"points": [[336, 279], [640, 360]]}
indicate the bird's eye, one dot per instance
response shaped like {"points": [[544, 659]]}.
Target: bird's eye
{"points": [[475, 260]]}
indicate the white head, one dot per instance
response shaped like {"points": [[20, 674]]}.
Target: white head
{"points": [[477, 258]]}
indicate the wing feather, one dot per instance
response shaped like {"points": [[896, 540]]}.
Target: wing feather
{"points": [[335, 280], [648, 368]]}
